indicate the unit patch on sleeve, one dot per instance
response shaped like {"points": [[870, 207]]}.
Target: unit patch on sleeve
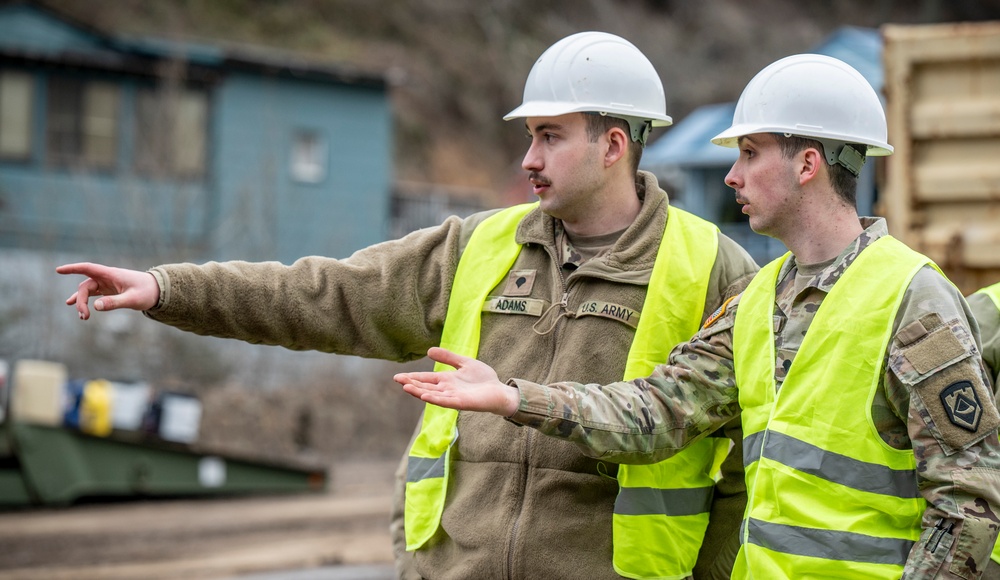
{"points": [[940, 362], [961, 403], [609, 310], [519, 283]]}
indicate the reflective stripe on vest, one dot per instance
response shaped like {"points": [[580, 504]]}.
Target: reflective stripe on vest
{"points": [[492, 243], [661, 511], [993, 292], [826, 496]]}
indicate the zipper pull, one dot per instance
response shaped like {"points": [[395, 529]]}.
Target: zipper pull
{"points": [[562, 304]]}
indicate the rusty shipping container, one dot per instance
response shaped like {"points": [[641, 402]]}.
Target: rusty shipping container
{"points": [[942, 184]]}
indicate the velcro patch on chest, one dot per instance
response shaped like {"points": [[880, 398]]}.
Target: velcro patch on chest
{"points": [[609, 310], [507, 305], [519, 282]]}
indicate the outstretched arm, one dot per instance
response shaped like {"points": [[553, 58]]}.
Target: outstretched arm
{"points": [[472, 386], [117, 288], [639, 421]]}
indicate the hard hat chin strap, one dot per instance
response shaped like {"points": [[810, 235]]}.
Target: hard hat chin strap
{"points": [[638, 127], [840, 153]]}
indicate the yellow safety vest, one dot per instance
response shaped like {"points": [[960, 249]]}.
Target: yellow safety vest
{"points": [[492, 243], [827, 496], [662, 510], [993, 292]]}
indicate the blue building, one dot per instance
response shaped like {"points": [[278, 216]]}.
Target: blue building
{"points": [[694, 169], [158, 149]]}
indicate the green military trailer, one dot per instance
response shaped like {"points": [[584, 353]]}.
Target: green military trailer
{"points": [[45, 462]]}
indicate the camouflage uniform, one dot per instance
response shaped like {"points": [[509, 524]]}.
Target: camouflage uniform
{"points": [[988, 317], [958, 470]]}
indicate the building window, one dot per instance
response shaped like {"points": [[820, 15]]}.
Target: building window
{"points": [[171, 133], [17, 93], [82, 123], [309, 156]]}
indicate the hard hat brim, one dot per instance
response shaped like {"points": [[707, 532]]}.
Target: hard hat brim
{"points": [[730, 137], [550, 109]]}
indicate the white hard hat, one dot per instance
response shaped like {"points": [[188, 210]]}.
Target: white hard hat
{"points": [[595, 72], [814, 96]]}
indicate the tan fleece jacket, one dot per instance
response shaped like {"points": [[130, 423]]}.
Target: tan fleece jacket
{"points": [[519, 505]]}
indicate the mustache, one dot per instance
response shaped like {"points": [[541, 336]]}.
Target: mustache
{"points": [[537, 178]]}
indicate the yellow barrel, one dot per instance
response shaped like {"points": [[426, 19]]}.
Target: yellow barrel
{"points": [[95, 408]]}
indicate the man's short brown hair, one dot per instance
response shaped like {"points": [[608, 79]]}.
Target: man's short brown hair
{"points": [[598, 125], [843, 181]]}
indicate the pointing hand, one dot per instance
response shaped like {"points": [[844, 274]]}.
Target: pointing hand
{"points": [[117, 288]]}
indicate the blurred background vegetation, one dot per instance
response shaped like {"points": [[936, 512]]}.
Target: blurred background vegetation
{"points": [[459, 65]]}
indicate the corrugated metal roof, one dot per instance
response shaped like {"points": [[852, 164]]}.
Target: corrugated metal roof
{"points": [[259, 58], [688, 143]]}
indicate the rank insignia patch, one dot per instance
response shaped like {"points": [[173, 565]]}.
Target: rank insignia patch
{"points": [[519, 283], [962, 405]]}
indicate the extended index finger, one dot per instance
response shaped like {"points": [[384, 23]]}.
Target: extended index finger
{"points": [[85, 268]]}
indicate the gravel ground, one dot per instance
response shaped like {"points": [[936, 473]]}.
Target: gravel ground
{"points": [[329, 533]]}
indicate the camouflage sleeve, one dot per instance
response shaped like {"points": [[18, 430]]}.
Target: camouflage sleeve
{"points": [[937, 384], [644, 420]]}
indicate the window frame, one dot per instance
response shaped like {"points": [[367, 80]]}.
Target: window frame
{"points": [[71, 115], [28, 114]]}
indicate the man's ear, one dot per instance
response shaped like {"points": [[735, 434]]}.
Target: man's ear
{"points": [[618, 141], [811, 159]]}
